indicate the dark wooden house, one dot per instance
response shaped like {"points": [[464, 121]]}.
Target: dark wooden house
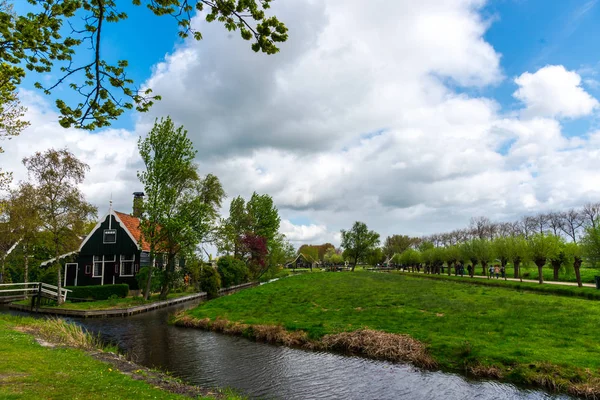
{"points": [[112, 253]]}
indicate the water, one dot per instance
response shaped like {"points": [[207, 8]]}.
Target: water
{"points": [[274, 372]]}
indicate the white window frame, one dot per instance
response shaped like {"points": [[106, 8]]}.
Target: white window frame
{"points": [[102, 261], [99, 260], [124, 260], [67, 268], [104, 236]]}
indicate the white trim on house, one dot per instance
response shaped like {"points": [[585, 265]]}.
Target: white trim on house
{"points": [[50, 261], [113, 213], [66, 269], [124, 260], [99, 260]]}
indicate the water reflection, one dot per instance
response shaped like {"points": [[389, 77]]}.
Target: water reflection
{"points": [[272, 372]]}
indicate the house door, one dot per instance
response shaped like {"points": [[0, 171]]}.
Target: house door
{"points": [[71, 274]]}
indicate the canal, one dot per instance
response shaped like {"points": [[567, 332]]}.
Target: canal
{"points": [[273, 372]]}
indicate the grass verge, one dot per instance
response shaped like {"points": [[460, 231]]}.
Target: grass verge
{"points": [[498, 332], [109, 304], [44, 359]]}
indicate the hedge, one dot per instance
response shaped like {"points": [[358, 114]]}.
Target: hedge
{"points": [[99, 292]]}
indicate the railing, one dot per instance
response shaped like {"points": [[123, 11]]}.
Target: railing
{"points": [[35, 288]]}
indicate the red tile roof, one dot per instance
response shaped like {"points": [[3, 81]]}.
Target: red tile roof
{"points": [[132, 224]]}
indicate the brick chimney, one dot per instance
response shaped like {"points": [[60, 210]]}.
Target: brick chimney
{"points": [[138, 204]]}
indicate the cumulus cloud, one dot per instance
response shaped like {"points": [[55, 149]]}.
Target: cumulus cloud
{"points": [[553, 91], [358, 118]]}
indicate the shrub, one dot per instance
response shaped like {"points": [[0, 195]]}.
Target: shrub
{"points": [[142, 277], [98, 292], [210, 281], [232, 271]]}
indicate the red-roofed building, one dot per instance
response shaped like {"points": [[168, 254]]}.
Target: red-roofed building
{"points": [[112, 253]]}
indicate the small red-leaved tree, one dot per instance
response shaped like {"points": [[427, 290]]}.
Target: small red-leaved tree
{"points": [[254, 248]]}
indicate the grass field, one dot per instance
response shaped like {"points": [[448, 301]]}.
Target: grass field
{"points": [[31, 371], [549, 340]]}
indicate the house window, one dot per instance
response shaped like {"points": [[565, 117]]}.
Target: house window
{"points": [[110, 236], [127, 265], [97, 271], [99, 264]]}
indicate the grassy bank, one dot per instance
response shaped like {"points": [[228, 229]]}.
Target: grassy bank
{"points": [[545, 340], [110, 304], [64, 368]]}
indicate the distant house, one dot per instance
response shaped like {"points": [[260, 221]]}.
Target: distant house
{"points": [[112, 253], [302, 261]]}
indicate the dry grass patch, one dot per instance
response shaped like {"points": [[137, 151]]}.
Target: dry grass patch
{"points": [[381, 345]]}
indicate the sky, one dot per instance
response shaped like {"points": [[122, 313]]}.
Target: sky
{"points": [[412, 117]]}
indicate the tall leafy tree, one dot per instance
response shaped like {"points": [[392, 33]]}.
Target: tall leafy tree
{"points": [[359, 241], [181, 207], [263, 216], [542, 248], [35, 42], [62, 208], [24, 221], [396, 244]]}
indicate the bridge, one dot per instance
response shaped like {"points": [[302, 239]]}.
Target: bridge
{"points": [[36, 290]]}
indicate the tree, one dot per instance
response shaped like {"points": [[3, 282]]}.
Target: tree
{"points": [[542, 248], [590, 213], [571, 222], [396, 244], [181, 207], [590, 244], [574, 255], [61, 206], [263, 216], [501, 248], [232, 228], [558, 259], [34, 42], [468, 252], [24, 220], [484, 252], [358, 241], [254, 252], [232, 271], [451, 256], [11, 111], [410, 258], [333, 257], [518, 253], [375, 256]]}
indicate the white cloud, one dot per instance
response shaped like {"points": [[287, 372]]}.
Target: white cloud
{"points": [[355, 119], [553, 91]]}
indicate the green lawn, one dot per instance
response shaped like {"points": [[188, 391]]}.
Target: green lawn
{"points": [[30, 371], [529, 336]]}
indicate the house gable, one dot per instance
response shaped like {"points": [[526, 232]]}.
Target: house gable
{"points": [[94, 243]]}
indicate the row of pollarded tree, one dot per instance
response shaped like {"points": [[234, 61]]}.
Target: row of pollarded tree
{"points": [[541, 248], [570, 224]]}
